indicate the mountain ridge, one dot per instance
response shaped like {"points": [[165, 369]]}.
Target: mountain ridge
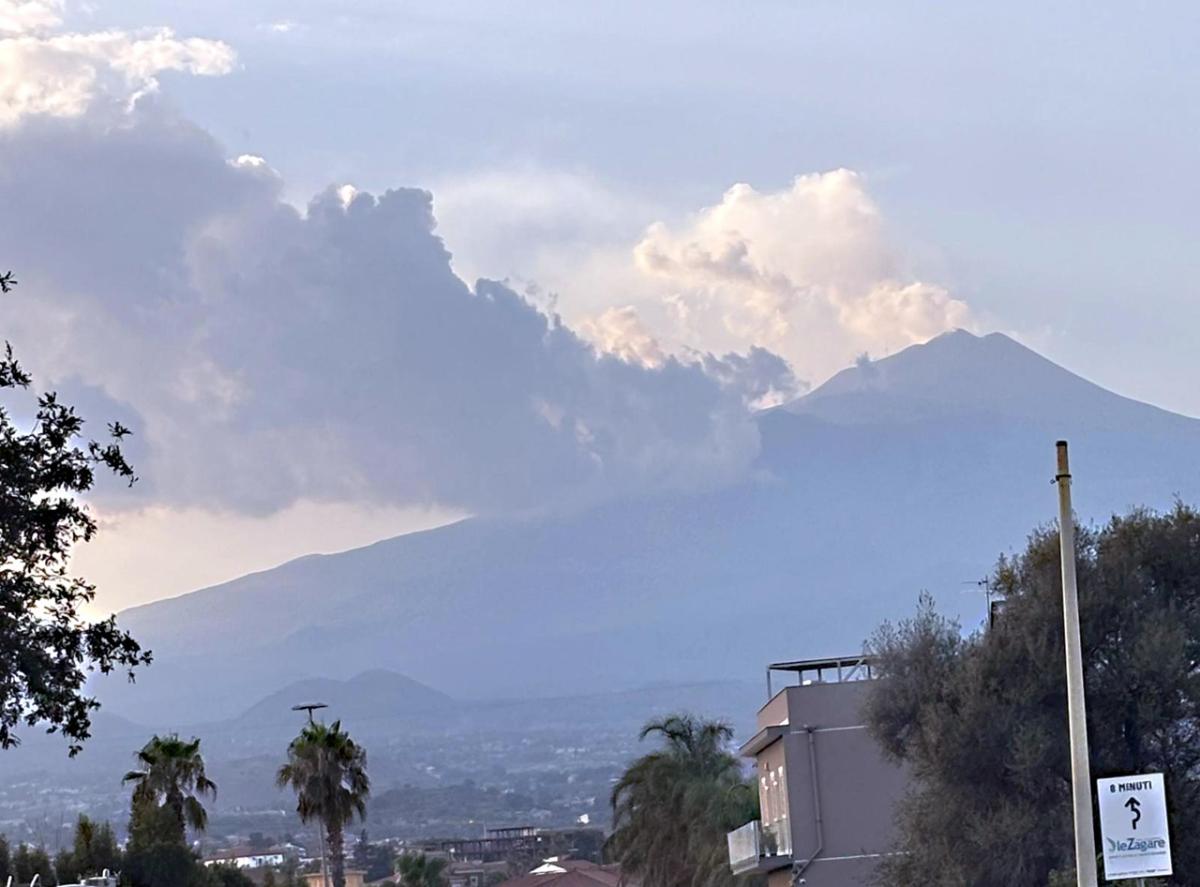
{"points": [[858, 501]]}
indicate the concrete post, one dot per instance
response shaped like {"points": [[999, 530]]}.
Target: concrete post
{"points": [[1081, 774]]}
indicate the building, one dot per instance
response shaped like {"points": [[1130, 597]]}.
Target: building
{"points": [[476, 873], [559, 872], [248, 858], [520, 846], [496, 845], [826, 792]]}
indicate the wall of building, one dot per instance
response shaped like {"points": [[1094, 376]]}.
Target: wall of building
{"points": [[775, 712], [856, 789]]}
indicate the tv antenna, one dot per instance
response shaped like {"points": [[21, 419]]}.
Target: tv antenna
{"points": [[310, 707], [994, 599]]}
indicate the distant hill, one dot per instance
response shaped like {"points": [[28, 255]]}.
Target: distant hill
{"points": [[371, 694], [904, 474]]}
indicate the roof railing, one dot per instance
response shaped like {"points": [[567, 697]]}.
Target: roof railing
{"points": [[824, 671]]}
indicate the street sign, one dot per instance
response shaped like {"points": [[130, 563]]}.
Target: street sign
{"points": [[1133, 827]]}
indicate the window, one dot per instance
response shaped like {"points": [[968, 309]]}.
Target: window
{"points": [[773, 799]]}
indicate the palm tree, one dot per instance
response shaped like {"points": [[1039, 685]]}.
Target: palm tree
{"points": [[419, 870], [173, 775], [673, 807], [328, 772]]}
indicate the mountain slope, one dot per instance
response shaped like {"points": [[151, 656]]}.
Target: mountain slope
{"points": [[909, 473]]}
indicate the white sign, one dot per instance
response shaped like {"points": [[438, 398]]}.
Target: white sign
{"points": [[1133, 826]]}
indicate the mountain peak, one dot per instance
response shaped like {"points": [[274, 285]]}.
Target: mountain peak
{"points": [[960, 373]]}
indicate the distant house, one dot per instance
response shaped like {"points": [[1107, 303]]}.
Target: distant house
{"points": [[246, 858], [475, 873], [559, 872], [524, 843]]}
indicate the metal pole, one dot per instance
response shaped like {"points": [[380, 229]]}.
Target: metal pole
{"points": [[321, 832], [310, 708], [1081, 778]]}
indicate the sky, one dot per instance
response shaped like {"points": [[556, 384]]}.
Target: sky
{"points": [[255, 232]]}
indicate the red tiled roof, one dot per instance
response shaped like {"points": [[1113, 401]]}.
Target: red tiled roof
{"points": [[579, 873]]}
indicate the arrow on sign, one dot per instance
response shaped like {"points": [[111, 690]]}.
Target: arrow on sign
{"points": [[1134, 806]]}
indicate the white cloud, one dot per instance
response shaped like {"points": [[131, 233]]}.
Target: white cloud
{"points": [[620, 331], [65, 75], [256, 165], [29, 16], [808, 271]]}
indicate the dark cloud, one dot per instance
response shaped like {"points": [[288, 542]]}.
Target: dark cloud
{"points": [[275, 354]]}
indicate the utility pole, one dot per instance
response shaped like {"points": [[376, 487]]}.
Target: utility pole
{"points": [[1081, 775], [310, 707]]}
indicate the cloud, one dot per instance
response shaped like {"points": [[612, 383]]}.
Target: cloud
{"points": [[620, 332], [763, 378], [535, 224], [284, 26], [66, 75], [788, 269], [810, 271], [28, 16], [274, 355]]}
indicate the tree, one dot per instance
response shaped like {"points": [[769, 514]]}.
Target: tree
{"points": [[40, 865], [328, 772], [6, 866], [981, 723], [29, 861], [228, 876], [94, 850], [375, 860], [157, 853], [65, 870], [47, 647], [419, 870], [103, 851], [288, 873], [22, 864], [173, 774], [165, 802], [673, 807]]}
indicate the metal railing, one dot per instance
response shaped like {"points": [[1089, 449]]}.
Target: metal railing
{"points": [[824, 671]]}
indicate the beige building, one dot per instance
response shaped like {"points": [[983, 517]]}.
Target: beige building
{"points": [[825, 791]]}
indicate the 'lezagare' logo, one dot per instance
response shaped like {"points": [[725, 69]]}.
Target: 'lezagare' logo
{"points": [[1136, 845]]}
